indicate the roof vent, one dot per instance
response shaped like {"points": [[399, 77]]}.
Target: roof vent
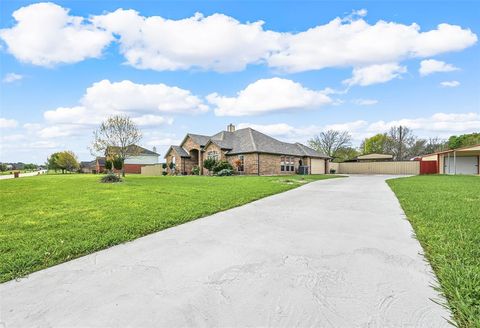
{"points": [[230, 128]]}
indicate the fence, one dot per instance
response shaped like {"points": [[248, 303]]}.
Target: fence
{"points": [[390, 167], [152, 170]]}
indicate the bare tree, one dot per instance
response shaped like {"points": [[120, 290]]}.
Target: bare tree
{"points": [[401, 139], [117, 138], [330, 142], [435, 144]]}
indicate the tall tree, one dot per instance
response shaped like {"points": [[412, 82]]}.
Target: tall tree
{"points": [[52, 162], [65, 161], [330, 142], [435, 144], [377, 144], [401, 139], [117, 138], [346, 153], [463, 140]]}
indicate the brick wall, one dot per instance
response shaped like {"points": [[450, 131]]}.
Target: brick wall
{"points": [[178, 160], [269, 164], [189, 145], [213, 147]]}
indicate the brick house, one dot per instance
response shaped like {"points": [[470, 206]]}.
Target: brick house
{"points": [[248, 151], [133, 163]]}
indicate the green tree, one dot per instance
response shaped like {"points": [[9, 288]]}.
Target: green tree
{"points": [[463, 140], [3, 167], [117, 163], [67, 161], [30, 166], [52, 162], [210, 164], [345, 154], [377, 144]]}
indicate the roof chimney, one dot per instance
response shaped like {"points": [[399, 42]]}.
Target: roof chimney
{"points": [[230, 128]]}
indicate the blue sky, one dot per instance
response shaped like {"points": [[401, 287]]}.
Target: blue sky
{"points": [[309, 67]]}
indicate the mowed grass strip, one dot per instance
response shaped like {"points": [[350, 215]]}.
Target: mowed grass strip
{"points": [[445, 214], [47, 220]]}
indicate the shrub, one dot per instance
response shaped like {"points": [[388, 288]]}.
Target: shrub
{"points": [[209, 164], [196, 170], [222, 165], [224, 172], [164, 166], [332, 171], [117, 163], [164, 173], [108, 165], [110, 178]]}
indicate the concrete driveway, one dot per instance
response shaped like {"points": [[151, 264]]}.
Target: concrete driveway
{"points": [[334, 253]]}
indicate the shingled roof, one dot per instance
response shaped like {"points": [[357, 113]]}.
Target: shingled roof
{"points": [[134, 149], [249, 140]]}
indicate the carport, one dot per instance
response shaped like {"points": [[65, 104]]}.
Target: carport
{"points": [[463, 160]]}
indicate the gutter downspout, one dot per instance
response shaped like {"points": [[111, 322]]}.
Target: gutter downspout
{"points": [[258, 163], [449, 168]]}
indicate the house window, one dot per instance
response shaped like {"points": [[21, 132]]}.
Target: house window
{"points": [[241, 167], [213, 155], [287, 164]]}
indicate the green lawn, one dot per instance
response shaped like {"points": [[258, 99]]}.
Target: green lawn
{"points": [[47, 220], [445, 213]]}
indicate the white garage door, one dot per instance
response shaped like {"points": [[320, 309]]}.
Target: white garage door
{"points": [[461, 165], [318, 166]]}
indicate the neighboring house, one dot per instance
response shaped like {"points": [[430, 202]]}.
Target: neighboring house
{"points": [[255, 152], [374, 157], [99, 165], [88, 166], [138, 157], [465, 160]]}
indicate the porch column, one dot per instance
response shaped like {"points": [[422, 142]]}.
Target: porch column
{"points": [[454, 162], [200, 161]]}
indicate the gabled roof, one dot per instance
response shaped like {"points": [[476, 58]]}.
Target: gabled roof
{"points": [[375, 156], [100, 160], [461, 149], [137, 150], [179, 150], [198, 138], [88, 163], [249, 140]]}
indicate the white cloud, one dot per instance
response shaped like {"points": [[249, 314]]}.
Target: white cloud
{"points": [[217, 42], [267, 96], [430, 66], [365, 102], [437, 125], [348, 126], [142, 102], [45, 34], [374, 74], [12, 77], [450, 84], [6, 123], [152, 120], [279, 129], [354, 42]]}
